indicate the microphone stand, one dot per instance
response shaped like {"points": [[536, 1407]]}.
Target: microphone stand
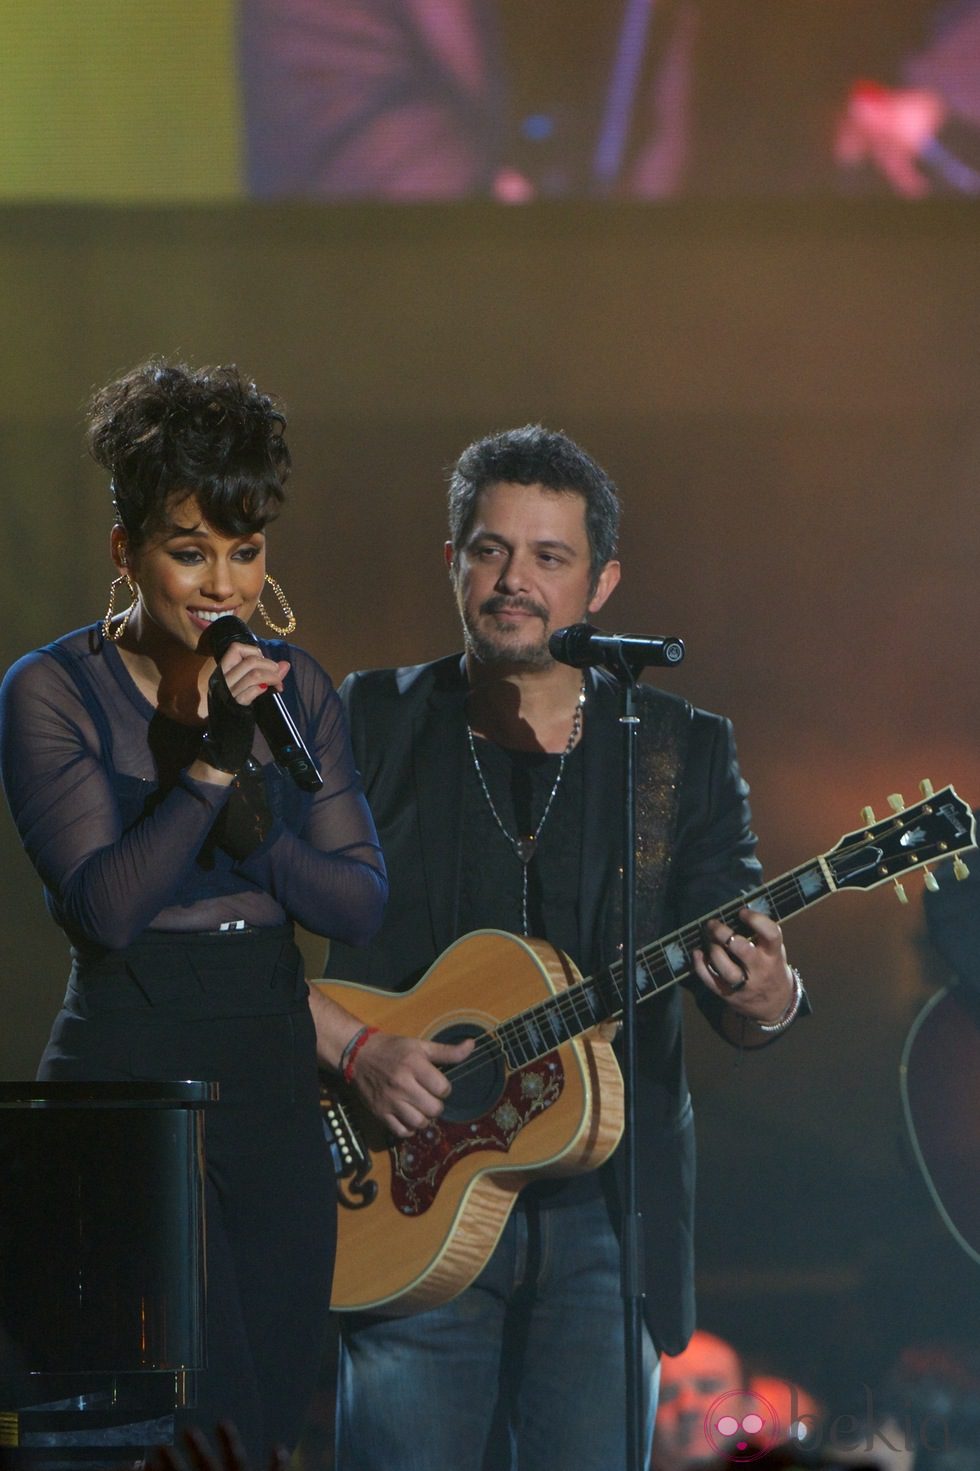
{"points": [[626, 672], [581, 645]]}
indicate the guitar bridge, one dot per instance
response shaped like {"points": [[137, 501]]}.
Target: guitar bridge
{"points": [[351, 1160]]}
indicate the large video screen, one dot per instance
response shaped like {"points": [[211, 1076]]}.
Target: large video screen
{"points": [[507, 100]]}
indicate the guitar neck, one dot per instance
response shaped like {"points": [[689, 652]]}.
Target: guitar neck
{"points": [[938, 827], [664, 962], [533, 1033]]}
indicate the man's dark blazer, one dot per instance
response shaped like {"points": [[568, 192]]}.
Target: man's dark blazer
{"points": [[408, 728]]}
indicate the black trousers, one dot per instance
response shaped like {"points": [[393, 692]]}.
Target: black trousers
{"points": [[230, 1008]]}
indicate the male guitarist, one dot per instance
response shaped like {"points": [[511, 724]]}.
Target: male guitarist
{"points": [[494, 781]]}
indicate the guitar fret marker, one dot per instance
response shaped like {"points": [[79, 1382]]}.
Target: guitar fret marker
{"points": [[676, 957], [659, 973], [811, 882]]}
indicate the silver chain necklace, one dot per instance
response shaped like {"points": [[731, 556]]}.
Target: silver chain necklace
{"points": [[526, 847]]}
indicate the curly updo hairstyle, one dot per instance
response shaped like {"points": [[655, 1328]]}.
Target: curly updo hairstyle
{"points": [[165, 428]]}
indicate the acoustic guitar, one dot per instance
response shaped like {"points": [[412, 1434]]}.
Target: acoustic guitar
{"points": [[939, 1072], [541, 1093]]}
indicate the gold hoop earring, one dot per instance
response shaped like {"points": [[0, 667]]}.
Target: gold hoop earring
{"points": [[284, 605], [115, 634]]}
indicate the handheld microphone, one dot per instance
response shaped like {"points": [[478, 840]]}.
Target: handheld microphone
{"points": [[271, 715], [582, 645]]}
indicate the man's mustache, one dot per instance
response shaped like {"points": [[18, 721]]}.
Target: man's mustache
{"points": [[499, 604]]}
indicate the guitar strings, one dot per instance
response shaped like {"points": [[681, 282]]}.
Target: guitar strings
{"points": [[566, 1003], [785, 896]]}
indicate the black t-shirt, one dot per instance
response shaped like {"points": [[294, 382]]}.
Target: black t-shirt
{"points": [[520, 783]]}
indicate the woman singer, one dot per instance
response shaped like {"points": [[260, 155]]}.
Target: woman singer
{"points": [[176, 855]]}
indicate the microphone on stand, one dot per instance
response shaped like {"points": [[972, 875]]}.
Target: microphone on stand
{"points": [[582, 645], [271, 715]]}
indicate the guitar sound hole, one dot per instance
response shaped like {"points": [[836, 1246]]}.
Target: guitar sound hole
{"points": [[479, 1081]]}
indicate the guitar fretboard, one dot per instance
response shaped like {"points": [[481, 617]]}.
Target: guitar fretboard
{"points": [[543, 1027]]}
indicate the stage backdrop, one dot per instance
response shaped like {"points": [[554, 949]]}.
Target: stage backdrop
{"points": [[788, 398]]}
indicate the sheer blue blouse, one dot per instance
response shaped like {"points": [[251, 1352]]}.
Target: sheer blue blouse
{"points": [[124, 840]]}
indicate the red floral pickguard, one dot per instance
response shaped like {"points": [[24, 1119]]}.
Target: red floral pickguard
{"points": [[420, 1164]]}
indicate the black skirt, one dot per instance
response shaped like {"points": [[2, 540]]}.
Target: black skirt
{"points": [[230, 1008]]}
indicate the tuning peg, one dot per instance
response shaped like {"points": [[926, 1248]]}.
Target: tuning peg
{"points": [[903, 898], [960, 870], [868, 815], [896, 802], [930, 881], [926, 787]]}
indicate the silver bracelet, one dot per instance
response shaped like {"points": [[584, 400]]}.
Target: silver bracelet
{"points": [[348, 1049], [790, 1014]]}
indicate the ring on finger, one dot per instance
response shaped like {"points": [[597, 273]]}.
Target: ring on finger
{"points": [[734, 986]]}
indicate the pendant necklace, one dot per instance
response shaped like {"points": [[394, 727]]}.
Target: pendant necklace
{"points": [[526, 847]]}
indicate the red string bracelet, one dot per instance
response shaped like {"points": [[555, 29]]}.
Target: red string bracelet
{"points": [[353, 1048]]}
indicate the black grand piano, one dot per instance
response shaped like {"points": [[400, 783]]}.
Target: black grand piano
{"points": [[101, 1267]]}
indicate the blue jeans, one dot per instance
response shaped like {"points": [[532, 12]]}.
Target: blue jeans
{"points": [[524, 1369]]}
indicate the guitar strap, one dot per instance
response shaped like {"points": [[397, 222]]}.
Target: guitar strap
{"points": [[665, 726]]}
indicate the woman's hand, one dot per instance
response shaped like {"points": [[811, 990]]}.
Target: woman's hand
{"points": [[243, 674], [248, 673]]}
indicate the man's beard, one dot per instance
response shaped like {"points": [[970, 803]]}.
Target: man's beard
{"points": [[529, 654]]}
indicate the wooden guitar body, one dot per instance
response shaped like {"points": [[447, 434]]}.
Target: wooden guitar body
{"points": [[444, 1194], [541, 1092]]}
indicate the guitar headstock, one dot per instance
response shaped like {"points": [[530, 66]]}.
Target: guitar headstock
{"points": [[940, 826]]}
